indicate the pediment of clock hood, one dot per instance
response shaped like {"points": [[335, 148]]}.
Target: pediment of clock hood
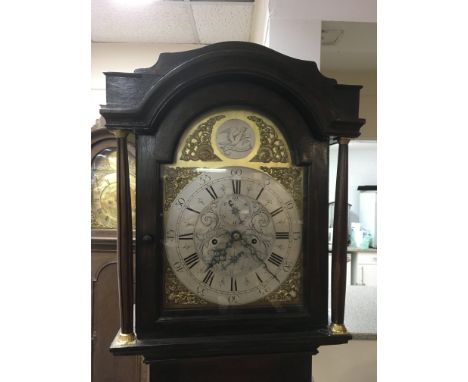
{"points": [[138, 101]]}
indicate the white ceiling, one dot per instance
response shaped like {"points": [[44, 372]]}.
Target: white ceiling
{"points": [[173, 21], [355, 49], [207, 22]]}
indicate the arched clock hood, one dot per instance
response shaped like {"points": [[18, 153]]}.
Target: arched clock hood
{"points": [[141, 101]]}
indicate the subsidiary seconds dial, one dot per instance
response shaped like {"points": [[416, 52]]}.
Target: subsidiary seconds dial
{"points": [[233, 235]]}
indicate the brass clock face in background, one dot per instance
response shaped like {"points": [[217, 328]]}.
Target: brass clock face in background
{"points": [[104, 189], [233, 214]]}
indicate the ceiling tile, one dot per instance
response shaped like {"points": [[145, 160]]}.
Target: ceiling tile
{"points": [[217, 22], [119, 21]]}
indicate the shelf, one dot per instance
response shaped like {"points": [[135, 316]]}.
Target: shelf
{"points": [[357, 250]]}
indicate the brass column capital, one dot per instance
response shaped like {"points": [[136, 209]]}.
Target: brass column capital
{"points": [[343, 140]]}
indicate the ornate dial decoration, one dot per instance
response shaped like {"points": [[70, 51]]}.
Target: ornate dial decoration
{"points": [[273, 148], [232, 139], [197, 145], [233, 235]]}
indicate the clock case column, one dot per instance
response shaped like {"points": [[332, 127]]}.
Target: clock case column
{"points": [[157, 104]]}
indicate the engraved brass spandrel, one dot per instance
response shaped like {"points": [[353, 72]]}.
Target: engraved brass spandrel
{"points": [[175, 179], [197, 145], [272, 146], [177, 293], [290, 291], [291, 179]]}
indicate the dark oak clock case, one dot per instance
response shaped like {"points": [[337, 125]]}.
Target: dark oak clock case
{"points": [[157, 104]]}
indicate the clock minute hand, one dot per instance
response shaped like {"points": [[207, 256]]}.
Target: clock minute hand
{"points": [[254, 253]]}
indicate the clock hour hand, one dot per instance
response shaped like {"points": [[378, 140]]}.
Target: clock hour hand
{"points": [[218, 257], [235, 211], [266, 268]]}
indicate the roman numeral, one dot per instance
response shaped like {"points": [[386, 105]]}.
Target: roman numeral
{"points": [[276, 212], [258, 277], [191, 209], [236, 186], [212, 192], [259, 193], [209, 277], [191, 260], [275, 259], [282, 235], [233, 284], [186, 236]]}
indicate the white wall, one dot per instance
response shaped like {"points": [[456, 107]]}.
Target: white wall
{"points": [[330, 10], [355, 361], [259, 22], [296, 38], [362, 162], [367, 100], [121, 57]]}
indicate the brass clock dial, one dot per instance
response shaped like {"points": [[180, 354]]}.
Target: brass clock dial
{"points": [[233, 236], [233, 219]]}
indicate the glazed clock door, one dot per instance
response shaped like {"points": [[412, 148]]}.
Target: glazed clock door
{"points": [[232, 206]]}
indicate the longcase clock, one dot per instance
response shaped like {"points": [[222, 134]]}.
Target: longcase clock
{"points": [[231, 216]]}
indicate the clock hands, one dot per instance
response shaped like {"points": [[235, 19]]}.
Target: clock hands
{"points": [[225, 259], [262, 263]]}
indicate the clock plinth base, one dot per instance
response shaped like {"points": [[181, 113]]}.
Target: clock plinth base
{"points": [[286, 367]]}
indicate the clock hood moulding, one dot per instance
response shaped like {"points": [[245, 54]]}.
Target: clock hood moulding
{"points": [[138, 101]]}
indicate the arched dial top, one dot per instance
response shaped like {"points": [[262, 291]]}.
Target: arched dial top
{"points": [[232, 235]]}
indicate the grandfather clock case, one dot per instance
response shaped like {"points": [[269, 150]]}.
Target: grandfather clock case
{"points": [[231, 245]]}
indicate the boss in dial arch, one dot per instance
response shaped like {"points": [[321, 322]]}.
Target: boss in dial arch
{"points": [[233, 235]]}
